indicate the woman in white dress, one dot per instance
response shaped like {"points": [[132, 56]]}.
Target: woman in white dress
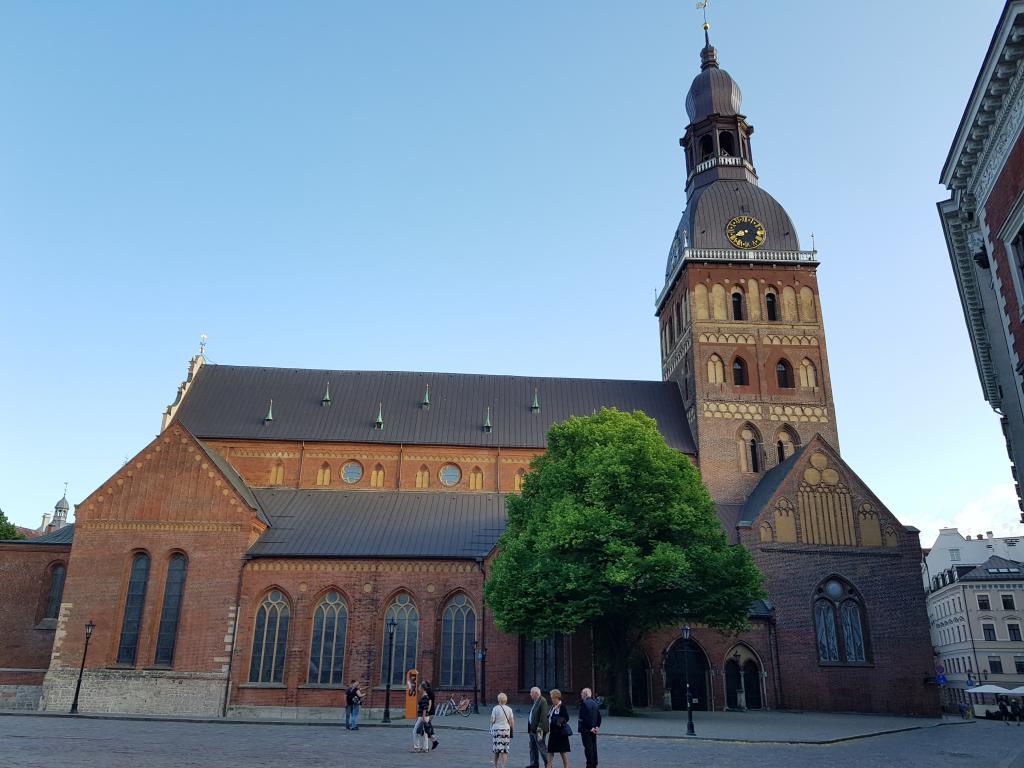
{"points": [[502, 723]]}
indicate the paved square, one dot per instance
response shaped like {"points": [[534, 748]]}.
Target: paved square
{"points": [[43, 742]]}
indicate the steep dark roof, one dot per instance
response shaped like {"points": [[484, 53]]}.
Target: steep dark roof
{"points": [[235, 479], [231, 402], [761, 609], [326, 523], [765, 489], [63, 535], [995, 569]]}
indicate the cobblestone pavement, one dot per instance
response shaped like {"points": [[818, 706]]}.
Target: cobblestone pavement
{"points": [[43, 742]]}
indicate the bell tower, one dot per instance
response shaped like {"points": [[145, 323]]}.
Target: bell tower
{"points": [[739, 314]]}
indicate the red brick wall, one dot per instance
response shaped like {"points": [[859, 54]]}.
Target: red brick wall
{"points": [[25, 571], [368, 587], [1004, 196], [169, 498]]}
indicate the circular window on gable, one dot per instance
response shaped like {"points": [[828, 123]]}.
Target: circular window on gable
{"points": [[352, 472], [450, 475]]}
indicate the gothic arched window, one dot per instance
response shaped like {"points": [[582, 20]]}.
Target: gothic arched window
{"points": [[518, 481], [784, 374], [737, 305], [839, 623], [403, 648], [739, 372], [174, 590], [808, 374], [458, 633], [134, 602], [750, 449], [771, 304], [377, 477], [277, 473], [327, 649], [476, 479], [269, 639], [56, 592], [423, 477]]}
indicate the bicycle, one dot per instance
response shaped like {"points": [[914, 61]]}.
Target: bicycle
{"points": [[452, 707]]}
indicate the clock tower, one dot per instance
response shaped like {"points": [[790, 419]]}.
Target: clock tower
{"points": [[739, 314]]}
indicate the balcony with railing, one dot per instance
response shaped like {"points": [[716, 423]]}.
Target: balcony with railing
{"points": [[727, 160]]}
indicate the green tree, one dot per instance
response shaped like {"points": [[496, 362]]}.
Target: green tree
{"points": [[615, 531], [7, 529]]}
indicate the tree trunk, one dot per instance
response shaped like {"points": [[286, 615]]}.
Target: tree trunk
{"points": [[614, 649]]}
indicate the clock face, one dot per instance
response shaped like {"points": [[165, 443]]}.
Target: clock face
{"points": [[745, 232]]}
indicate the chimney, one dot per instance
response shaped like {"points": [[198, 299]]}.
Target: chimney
{"points": [[980, 537], [46, 521]]}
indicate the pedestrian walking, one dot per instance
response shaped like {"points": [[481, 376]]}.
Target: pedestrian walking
{"points": [[589, 724], [538, 725], [428, 721], [353, 700], [559, 729], [1004, 711], [502, 728], [420, 739], [1015, 711]]}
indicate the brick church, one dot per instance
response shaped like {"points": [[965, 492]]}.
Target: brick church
{"points": [[289, 530]]}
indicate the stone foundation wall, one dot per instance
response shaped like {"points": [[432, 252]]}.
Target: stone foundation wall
{"points": [[137, 691], [20, 696]]}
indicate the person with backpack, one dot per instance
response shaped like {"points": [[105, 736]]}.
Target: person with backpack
{"points": [[353, 699]]}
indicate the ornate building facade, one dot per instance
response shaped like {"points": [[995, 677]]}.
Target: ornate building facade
{"points": [[983, 221], [289, 530]]}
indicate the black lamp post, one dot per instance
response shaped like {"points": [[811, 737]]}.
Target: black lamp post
{"points": [[482, 655], [78, 686], [391, 626], [686, 663], [476, 680], [741, 687]]}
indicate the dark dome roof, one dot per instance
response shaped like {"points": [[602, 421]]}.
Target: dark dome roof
{"points": [[713, 91], [710, 208], [62, 505]]}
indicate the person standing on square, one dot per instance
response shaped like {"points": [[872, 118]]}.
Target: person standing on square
{"points": [[537, 724], [589, 723]]}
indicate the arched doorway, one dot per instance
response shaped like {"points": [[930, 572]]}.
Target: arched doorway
{"points": [[681, 655], [742, 680], [639, 681]]}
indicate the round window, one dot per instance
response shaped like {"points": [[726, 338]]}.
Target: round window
{"points": [[450, 475], [834, 589], [352, 472]]}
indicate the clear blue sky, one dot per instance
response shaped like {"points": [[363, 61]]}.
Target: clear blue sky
{"points": [[463, 186]]}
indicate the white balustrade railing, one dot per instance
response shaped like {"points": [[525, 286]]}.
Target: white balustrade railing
{"points": [[711, 162]]}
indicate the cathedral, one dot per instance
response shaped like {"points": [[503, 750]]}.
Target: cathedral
{"points": [[290, 530]]}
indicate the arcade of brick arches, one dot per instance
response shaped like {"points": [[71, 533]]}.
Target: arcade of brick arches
{"points": [[289, 530]]}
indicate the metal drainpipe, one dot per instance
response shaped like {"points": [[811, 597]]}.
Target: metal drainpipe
{"points": [[773, 644], [401, 460], [234, 638], [483, 631], [302, 457]]}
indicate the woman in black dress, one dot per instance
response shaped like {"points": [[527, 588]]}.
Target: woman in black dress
{"points": [[558, 739]]}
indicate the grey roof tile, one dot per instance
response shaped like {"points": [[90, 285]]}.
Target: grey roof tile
{"points": [[766, 488], [64, 535], [229, 402], [234, 478], [333, 523]]}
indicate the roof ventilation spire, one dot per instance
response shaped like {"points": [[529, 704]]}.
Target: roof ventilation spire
{"points": [[326, 401], [379, 423], [535, 405], [425, 402], [270, 413], [487, 421], [708, 56]]}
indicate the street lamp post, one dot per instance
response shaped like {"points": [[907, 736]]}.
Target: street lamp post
{"points": [[482, 655], [391, 625], [78, 686], [686, 664], [476, 679]]}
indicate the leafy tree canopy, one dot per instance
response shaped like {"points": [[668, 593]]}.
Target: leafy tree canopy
{"points": [[614, 529], [7, 529]]}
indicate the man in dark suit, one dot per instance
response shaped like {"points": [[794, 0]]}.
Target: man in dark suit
{"points": [[538, 726], [588, 725]]}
